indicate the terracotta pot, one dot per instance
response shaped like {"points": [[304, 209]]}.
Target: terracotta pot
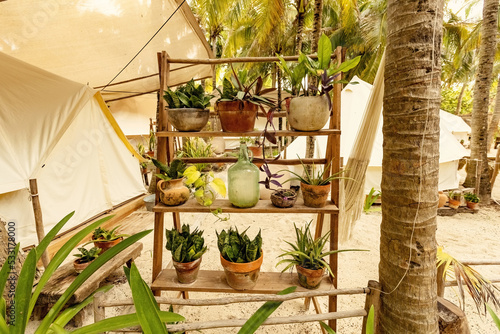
{"points": [[442, 199], [237, 116], [187, 272], [453, 203], [79, 267], [242, 276], [105, 245], [151, 153], [281, 201], [472, 206], [309, 278], [314, 196], [308, 113], [256, 153], [188, 119], [173, 192]]}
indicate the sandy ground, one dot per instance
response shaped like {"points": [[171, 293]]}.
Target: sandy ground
{"points": [[465, 236]]}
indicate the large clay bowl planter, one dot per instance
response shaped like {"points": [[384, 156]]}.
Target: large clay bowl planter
{"points": [[442, 199], [105, 245], [472, 206], [79, 267], [187, 272], [188, 119], [314, 196], [281, 201], [308, 278], [173, 192], [237, 116], [242, 276], [308, 113]]}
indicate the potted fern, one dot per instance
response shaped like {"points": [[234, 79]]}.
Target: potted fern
{"points": [[188, 107], [240, 257], [172, 189], [85, 258], [187, 249], [240, 100], [307, 255]]}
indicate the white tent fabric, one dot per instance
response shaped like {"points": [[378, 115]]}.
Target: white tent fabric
{"points": [[90, 41], [456, 125], [354, 99], [61, 133]]}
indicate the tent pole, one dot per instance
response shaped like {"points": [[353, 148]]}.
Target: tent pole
{"points": [[37, 209]]}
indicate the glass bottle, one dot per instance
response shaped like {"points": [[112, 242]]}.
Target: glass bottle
{"points": [[243, 181]]}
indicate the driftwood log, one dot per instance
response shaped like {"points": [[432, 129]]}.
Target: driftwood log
{"points": [[452, 319]]}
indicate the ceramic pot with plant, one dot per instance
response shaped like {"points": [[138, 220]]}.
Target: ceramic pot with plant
{"points": [[85, 258], [472, 200], [105, 239], [187, 249], [171, 182], [310, 106], [308, 257], [315, 185], [240, 257], [284, 198], [204, 185], [240, 100], [453, 199], [188, 107]]}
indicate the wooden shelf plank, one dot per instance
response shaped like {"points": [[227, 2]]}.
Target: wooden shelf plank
{"points": [[270, 161], [279, 133], [263, 206], [215, 281]]}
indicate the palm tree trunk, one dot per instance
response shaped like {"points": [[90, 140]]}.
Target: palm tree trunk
{"points": [[410, 167], [460, 98], [479, 135], [214, 50], [493, 127], [318, 16], [301, 7]]}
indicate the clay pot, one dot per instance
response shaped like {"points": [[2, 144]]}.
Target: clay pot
{"points": [[237, 116], [472, 205], [187, 272], [314, 196], [173, 192], [79, 267], [308, 113], [151, 153], [188, 119], [442, 199], [242, 276], [281, 201], [105, 245], [256, 153], [453, 203], [309, 278]]}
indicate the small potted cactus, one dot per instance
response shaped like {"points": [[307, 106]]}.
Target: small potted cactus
{"points": [[187, 249], [105, 239], [240, 257]]}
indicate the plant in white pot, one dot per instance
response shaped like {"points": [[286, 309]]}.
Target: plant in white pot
{"points": [[310, 107], [188, 107]]}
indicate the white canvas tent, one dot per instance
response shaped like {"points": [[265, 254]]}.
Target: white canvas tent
{"points": [[60, 133], [354, 99], [456, 125], [91, 41]]}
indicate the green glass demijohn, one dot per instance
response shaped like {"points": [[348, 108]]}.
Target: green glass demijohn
{"points": [[243, 181]]}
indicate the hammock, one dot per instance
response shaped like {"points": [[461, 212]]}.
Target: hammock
{"points": [[351, 190]]}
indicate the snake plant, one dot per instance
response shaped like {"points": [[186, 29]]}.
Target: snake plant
{"points": [[185, 246], [237, 247]]}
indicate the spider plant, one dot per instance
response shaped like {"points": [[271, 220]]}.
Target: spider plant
{"points": [[480, 289], [316, 177]]}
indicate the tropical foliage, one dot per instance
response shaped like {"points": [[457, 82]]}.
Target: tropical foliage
{"points": [[103, 234], [186, 246], [237, 247], [188, 96], [169, 172]]}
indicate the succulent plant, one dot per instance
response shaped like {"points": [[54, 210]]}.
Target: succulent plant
{"points": [[88, 255], [174, 171], [102, 234], [237, 247], [185, 246], [188, 96]]}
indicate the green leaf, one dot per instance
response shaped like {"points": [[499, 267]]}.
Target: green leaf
{"points": [[327, 328], [57, 329], [3, 326], [145, 304], [263, 313], [345, 66], [6, 268], [85, 274], [42, 246], [218, 185], [60, 256], [184, 99], [370, 321], [3, 307], [23, 293], [324, 52]]}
